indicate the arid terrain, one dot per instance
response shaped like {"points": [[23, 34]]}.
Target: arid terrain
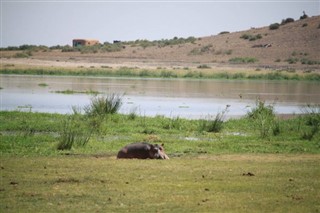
{"points": [[294, 46]]}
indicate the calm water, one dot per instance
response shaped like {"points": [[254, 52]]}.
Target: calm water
{"points": [[150, 97]]}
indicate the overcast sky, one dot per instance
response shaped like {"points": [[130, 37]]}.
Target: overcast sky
{"points": [[50, 22]]}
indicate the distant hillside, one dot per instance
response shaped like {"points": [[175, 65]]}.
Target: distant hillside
{"points": [[293, 46]]}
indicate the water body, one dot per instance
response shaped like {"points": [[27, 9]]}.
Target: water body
{"points": [[169, 97]]}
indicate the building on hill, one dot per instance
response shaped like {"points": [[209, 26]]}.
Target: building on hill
{"points": [[84, 42]]}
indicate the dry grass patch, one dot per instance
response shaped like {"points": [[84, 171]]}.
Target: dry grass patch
{"points": [[223, 183]]}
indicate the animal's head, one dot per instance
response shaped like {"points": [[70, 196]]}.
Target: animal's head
{"points": [[157, 152]]}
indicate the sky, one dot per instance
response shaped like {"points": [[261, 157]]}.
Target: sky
{"points": [[57, 22]]}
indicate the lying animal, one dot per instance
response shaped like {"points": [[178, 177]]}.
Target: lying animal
{"points": [[143, 151]]}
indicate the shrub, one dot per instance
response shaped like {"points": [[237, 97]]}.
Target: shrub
{"points": [[245, 60], [228, 52], [107, 47], [286, 21], [68, 48], [274, 26], [202, 50], [145, 73], [161, 43], [292, 60], [251, 37], [203, 66], [245, 36], [24, 54], [168, 74], [308, 61]]}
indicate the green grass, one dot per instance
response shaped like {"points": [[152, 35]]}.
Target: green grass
{"points": [[43, 85], [33, 134], [70, 92], [202, 72]]}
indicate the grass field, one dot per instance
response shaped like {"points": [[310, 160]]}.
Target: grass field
{"points": [[206, 183], [232, 170]]}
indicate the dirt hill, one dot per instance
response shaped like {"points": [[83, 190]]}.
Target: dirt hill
{"points": [[293, 46]]}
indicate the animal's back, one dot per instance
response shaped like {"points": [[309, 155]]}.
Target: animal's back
{"points": [[135, 150]]}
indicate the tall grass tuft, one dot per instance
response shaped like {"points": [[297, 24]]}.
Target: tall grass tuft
{"points": [[75, 130], [213, 125], [264, 119], [103, 105], [312, 120]]}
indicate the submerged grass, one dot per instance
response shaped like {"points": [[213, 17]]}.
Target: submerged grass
{"points": [[70, 92]]}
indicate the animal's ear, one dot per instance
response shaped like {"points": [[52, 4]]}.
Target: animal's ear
{"points": [[151, 146], [162, 145]]}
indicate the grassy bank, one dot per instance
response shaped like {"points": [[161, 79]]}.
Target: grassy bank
{"points": [[164, 73], [33, 134], [232, 169]]}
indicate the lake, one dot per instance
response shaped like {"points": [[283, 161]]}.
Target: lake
{"points": [[186, 98]]}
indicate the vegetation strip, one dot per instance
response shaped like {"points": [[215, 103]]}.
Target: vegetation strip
{"points": [[69, 92], [100, 126], [163, 73]]}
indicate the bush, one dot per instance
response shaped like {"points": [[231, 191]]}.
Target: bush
{"points": [[292, 60], [245, 60], [203, 66], [251, 37], [202, 50], [24, 54], [168, 74], [308, 61], [68, 48], [160, 43], [274, 26], [89, 49], [286, 21], [107, 47]]}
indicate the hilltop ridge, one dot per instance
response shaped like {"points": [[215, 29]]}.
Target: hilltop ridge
{"points": [[293, 46]]}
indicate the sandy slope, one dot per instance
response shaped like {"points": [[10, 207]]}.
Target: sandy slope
{"points": [[299, 40]]}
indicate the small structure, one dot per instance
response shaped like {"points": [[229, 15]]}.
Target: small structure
{"points": [[84, 42]]}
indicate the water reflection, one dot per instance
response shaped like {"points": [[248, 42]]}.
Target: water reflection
{"points": [[169, 97]]}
